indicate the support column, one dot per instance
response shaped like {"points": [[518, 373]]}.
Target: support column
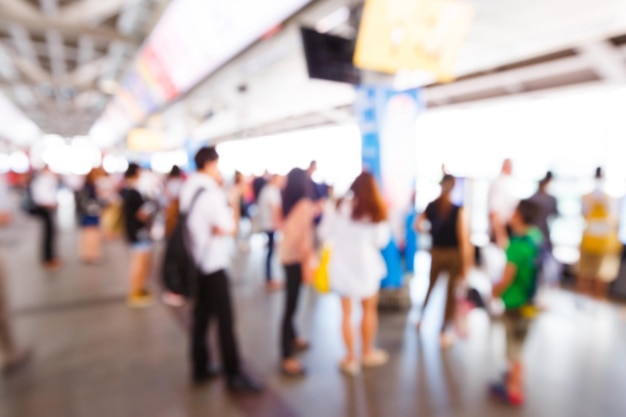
{"points": [[387, 122]]}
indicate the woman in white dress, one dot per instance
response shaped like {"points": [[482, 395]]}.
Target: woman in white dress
{"points": [[357, 230]]}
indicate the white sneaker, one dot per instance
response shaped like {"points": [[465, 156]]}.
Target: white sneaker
{"points": [[376, 358], [172, 300], [351, 368]]}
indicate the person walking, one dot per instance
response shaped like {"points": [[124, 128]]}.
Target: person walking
{"points": [[547, 209], [44, 194], [269, 219], [138, 216], [501, 203], [212, 223], [516, 289], [90, 208], [600, 245], [450, 252], [357, 230], [296, 252]]}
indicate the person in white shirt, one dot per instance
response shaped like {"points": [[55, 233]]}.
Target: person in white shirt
{"points": [[502, 204], [357, 232], [212, 225], [44, 192], [270, 206]]}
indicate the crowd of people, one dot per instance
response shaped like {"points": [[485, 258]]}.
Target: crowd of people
{"points": [[298, 216]]}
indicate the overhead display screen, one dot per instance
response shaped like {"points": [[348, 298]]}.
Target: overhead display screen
{"points": [[329, 57]]}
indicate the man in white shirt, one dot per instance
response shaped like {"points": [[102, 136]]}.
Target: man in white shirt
{"points": [[44, 192], [502, 204], [212, 224], [270, 203]]}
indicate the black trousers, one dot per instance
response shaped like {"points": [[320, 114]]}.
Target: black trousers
{"points": [[270, 254], [48, 235], [294, 282], [213, 300]]}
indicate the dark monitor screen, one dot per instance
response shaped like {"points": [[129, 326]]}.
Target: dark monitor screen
{"points": [[329, 57]]}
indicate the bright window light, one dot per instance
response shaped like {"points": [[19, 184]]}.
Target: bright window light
{"points": [[5, 163], [336, 149], [163, 162], [114, 164], [19, 163]]}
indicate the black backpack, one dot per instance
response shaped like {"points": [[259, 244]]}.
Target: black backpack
{"points": [[179, 270]]}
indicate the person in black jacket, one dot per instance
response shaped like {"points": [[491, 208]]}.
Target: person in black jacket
{"points": [[451, 249], [138, 214]]}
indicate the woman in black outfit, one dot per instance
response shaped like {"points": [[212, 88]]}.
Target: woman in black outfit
{"points": [[451, 249]]}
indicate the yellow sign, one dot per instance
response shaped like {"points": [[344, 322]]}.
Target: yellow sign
{"points": [[413, 35], [145, 140]]}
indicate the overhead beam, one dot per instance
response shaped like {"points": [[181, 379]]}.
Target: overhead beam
{"points": [[55, 41], [23, 43], [7, 69], [19, 8], [86, 50], [508, 79], [87, 74], [71, 54], [606, 60], [40, 23], [93, 11]]}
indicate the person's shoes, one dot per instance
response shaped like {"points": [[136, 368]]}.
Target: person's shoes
{"points": [[375, 358], [352, 368], [274, 286], [211, 373], [172, 300], [53, 265], [499, 391], [301, 346], [292, 368], [17, 362], [243, 384], [140, 300]]}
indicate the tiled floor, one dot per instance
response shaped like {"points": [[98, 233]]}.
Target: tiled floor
{"points": [[95, 357]]}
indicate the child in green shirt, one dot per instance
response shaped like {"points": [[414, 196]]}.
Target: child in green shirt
{"points": [[516, 289]]}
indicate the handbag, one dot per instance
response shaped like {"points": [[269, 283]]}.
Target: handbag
{"points": [[321, 279]]}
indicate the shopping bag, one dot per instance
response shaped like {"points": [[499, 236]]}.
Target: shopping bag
{"points": [[321, 280]]}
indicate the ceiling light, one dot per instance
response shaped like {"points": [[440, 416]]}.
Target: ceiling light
{"points": [[108, 86], [333, 20]]}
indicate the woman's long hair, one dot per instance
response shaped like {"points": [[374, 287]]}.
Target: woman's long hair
{"points": [[297, 187], [368, 202]]}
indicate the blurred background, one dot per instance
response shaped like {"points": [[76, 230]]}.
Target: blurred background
{"points": [[407, 89]]}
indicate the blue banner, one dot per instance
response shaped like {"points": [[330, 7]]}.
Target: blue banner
{"points": [[386, 118]]}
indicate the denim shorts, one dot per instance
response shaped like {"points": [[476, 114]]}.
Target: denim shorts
{"points": [[141, 246], [90, 221]]}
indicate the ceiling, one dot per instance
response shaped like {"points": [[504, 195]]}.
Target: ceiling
{"points": [[279, 93], [61, 60]]}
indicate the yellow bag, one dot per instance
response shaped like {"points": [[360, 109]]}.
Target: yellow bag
{"points": [[321, 280], [529, 311]]}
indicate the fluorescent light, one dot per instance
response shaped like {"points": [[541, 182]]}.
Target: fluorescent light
{"points": [[333, 20], [18, 162]]}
